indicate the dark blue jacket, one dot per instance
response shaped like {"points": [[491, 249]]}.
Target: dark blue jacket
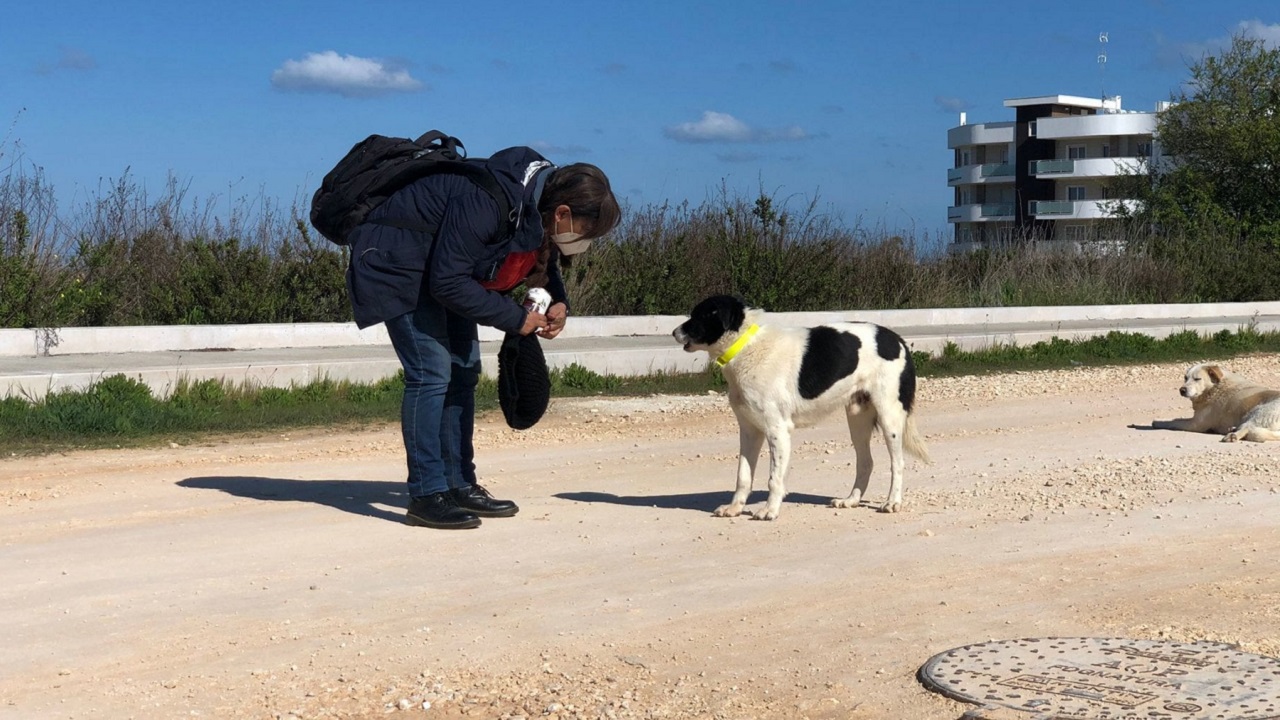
{"points": [[393, 266]]}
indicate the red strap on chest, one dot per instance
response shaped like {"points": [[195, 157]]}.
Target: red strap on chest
{"points": [[514, 270]]}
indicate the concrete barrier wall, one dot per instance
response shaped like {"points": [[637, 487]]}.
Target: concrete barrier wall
{"points": [[34, 363], [96, 340], [161, 338]]}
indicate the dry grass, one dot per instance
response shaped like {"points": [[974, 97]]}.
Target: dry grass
{"points": [[126, 257]]}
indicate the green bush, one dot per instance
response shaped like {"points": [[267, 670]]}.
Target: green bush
{"points": [[127, 258], [33, 281], [117, 409], [115, 405], [664, 259], [199, 393], [274, 397], [578, 380]]}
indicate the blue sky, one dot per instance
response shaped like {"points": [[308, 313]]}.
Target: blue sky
{"points": [[848, 100]]}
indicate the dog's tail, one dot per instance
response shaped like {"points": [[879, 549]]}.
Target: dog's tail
{"points": [[913, 443]]}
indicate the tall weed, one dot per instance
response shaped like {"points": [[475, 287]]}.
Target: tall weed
{"points": [[131, 257]]}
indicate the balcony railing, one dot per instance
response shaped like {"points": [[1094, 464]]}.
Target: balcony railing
{"points": [[966, 174], [1051, 207], [980, 212], [1049, 167]]}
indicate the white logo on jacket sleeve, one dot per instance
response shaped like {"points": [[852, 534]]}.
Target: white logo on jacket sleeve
{"points": [[532, 170]]}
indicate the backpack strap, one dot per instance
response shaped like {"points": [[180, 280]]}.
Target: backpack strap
{"points": [[509, 217], [451, 148], [446, 145]]}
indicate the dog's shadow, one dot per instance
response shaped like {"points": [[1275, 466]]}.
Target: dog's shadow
{"points": [[701, 502], [358, 497]]}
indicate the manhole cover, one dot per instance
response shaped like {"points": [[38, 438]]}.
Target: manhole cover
{"points": [[1110, 679]]}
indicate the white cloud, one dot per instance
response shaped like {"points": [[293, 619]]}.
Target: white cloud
{"points": [[345, 75], [713, 127], [950, 104], [721, 127], [1268, 34]]}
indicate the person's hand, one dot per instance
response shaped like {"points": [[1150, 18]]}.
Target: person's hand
{"points": [[556, 316], [532, 322]]}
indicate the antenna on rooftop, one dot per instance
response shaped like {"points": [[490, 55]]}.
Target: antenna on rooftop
{"points": [[1102, 62]]}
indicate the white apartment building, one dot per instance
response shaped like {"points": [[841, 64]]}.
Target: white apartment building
{"points": [[1045, 174]]}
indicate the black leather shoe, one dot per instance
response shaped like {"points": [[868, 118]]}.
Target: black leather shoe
{"points": [[438, 510], [477, 500]]}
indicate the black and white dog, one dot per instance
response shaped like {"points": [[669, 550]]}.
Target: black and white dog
{"points": [[781, 378]]}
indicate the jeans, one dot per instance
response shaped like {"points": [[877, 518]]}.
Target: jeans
{"points": [[440, 353]]}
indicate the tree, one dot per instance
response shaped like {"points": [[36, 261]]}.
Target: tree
{"points": [[1224, 131], [1213, 207]]}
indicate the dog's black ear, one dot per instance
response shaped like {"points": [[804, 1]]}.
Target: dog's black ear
{"points": [[732, 312]]}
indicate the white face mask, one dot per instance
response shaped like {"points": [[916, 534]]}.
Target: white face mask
{"points": [[570, 243]]}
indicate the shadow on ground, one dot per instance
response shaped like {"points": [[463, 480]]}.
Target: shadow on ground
{"points": [[364, 497], [703, 502], [359, 497]]}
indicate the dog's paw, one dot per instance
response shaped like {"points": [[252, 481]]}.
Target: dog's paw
{"points": [[891, 507], [766, 513], [730, 510], [848, 502], [1232, 436]]}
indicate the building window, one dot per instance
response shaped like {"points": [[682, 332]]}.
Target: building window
{"points": [[1031, 129], [1144, 149], [965, 158], [1106, 151], [966, 196], [1076, 152], [1075, 192]]}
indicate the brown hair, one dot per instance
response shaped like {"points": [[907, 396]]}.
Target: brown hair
{"points": [[585, 189]]}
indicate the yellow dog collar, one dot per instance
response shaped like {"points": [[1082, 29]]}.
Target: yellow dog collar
{"points": [[737, 345]]}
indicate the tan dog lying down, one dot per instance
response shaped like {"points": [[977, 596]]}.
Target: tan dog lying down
{"points": [[1223, 402]]}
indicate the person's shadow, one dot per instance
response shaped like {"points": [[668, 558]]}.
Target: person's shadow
{"points": [[359, 497], [702, 502]]}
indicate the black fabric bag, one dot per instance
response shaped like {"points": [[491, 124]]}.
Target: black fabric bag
{"points": [[524, 384], [376, 167]]}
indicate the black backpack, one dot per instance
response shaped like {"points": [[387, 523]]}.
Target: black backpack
{"points": [[378, 166]]}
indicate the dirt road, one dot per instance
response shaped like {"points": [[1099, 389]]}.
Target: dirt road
{"points": [[271, 577]]}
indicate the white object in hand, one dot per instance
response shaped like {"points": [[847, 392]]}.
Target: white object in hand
{"points": [[537, 301]]}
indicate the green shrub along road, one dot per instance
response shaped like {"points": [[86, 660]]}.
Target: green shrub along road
{"points": [[131, 259], [119, 411]]}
